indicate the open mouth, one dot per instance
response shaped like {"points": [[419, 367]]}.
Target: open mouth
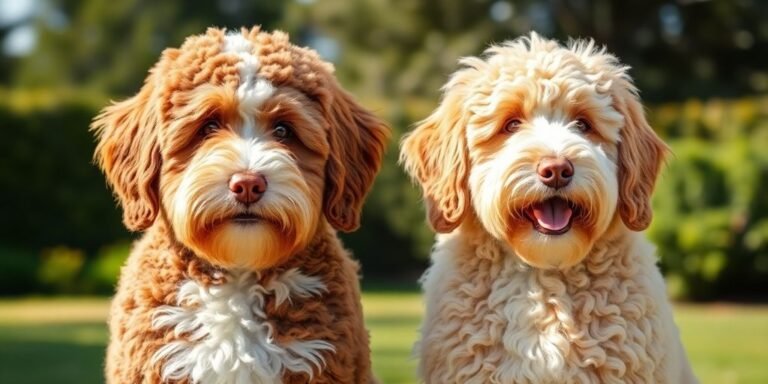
{"points": [[246, 218], [553, 216]]}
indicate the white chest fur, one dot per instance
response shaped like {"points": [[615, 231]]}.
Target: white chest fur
{"points": [[493, 319], [223, 336]]}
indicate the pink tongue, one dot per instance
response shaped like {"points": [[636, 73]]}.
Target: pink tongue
{"points": [[553, 214]]}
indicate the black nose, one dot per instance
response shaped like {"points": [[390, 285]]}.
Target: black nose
{"points": [[247, 187], [555, 172]]}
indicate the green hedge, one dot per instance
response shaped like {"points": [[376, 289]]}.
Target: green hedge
{"points": [[52, 194], [711, 205], [62, 230], [57, 211]]}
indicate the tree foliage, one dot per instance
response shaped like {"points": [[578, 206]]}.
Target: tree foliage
{"points": [[108, 46], [711, 209], [711, 206], [679, 50]]}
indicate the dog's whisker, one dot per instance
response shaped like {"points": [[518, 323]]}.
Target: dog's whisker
{"points": [[553, 285], [237, 210]]}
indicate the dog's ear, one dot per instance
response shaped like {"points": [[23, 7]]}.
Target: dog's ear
{"points": [[641, 155], [128, 153], [435, 154], [357, 141]]}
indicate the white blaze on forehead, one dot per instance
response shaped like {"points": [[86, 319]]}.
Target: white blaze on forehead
{"points": [[253, 90], [554, 133]]}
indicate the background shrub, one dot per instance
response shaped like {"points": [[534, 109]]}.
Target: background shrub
{"points": [[711, 205], [701, 67]]}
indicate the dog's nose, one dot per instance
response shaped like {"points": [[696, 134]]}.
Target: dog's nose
{"points": [[247, 187], [555, 172]]}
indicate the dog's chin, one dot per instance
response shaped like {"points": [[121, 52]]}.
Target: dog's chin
{"points": [[550, 234], [247, 241]]}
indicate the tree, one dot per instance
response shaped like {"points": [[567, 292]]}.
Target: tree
{"points": [[108, 46]]}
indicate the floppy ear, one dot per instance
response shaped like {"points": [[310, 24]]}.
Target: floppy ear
{"points": [[128, 153], [357, 139], [641, 155], [435, 154]]}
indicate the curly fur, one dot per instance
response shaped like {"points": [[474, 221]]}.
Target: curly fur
{"points": [[230, 338], [204, 298], [510, 303]]}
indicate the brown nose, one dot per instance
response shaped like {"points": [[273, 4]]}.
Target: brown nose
{"points": [[555, 172], [247, 187]]}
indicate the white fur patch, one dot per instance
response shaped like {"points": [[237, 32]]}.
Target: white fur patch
{"points": [[224, 336], [253, 90]]}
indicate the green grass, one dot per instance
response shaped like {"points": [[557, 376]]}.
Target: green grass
{"points": [[727, 344], [393, 320], [63, 340]]}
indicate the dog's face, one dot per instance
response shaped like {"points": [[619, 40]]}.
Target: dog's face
{"points": [[242, 143], [546, 146]]}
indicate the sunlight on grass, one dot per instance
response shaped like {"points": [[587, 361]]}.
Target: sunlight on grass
{"points": [[67, 337], [727, 344], [56, 310], [393, 321]]}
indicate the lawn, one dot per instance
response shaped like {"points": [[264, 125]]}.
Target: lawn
{"points": [[62, 340]]}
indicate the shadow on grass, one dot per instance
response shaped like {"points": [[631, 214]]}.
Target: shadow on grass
{"points": [[47, 362], [63, 354]]}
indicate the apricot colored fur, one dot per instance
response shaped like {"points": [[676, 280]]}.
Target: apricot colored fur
{"points": [[144, 152]]}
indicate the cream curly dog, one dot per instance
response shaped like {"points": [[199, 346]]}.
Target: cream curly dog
{"points": [[537, 169], [239, 158]]}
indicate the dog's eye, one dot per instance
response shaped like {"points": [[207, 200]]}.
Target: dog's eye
{"points": [[583, 126], [209, 127], [512, 126], [282, 131]]}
